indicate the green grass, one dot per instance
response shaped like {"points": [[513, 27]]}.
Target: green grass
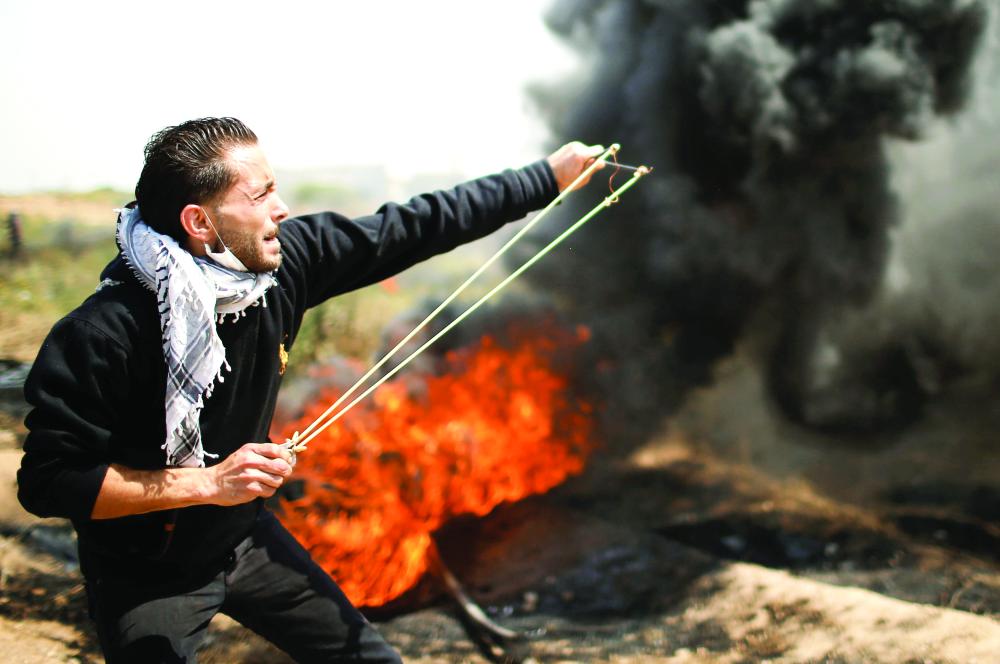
{"points": [[50, 282], [349, 325]]}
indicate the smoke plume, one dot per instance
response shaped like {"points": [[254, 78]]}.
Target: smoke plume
{"points": [[771, 205]]}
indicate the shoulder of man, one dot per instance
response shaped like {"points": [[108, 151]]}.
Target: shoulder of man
{"points": [[120, 308]]}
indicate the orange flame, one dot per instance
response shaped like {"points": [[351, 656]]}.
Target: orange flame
{"points": [[497, 426]]}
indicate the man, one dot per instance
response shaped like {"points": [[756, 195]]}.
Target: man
{"points": [[151, 402]]}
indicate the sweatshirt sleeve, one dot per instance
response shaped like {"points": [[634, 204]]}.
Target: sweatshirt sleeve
{"points": [[74, 387], [328, 254]]}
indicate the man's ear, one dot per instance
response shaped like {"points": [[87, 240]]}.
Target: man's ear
{"points": [[197, 225]]}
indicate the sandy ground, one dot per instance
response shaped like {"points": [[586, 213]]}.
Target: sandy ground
{"points": [[724, 612]]}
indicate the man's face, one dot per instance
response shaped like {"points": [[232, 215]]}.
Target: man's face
{"points": [[248, 213]]}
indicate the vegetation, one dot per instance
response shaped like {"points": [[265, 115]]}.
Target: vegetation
{"points": [[50, 281], [323, 196]]}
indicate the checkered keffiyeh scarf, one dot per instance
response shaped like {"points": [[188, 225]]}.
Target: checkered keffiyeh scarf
{"points": [[191, 294]]}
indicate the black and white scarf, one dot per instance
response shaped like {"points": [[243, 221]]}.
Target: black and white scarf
{"points": [[191, 294]]}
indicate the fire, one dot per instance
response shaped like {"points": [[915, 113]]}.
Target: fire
{"points": [[497, 425]]}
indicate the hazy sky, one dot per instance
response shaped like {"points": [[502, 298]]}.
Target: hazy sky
{"points": [[416, 86]]}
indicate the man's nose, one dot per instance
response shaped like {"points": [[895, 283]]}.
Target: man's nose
{"points": [[280, 212]]}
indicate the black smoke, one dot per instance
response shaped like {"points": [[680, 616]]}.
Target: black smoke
{"points": [[770, 210]]}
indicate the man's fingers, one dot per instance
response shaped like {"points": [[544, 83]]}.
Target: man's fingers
{"points": [[252, 475], [255, 470], [274, 467], [261, 489], [269, 450], [276, 474], [270, 457], [571, 160], [277, 467]]}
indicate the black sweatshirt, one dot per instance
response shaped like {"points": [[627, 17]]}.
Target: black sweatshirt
{"points": [[97, 386]]}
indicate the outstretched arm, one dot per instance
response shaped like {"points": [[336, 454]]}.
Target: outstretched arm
{"points": [[327, 254]]}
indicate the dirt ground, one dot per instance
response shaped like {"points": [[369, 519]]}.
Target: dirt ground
{"points": [[713, 543]]}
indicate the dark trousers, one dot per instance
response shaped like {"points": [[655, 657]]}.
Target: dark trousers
{"points": [[270, 585]]}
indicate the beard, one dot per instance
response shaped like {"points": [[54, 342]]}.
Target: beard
{"points": [[249, 248]]}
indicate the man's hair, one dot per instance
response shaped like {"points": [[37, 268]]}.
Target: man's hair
{"points": [[187, 164]]}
